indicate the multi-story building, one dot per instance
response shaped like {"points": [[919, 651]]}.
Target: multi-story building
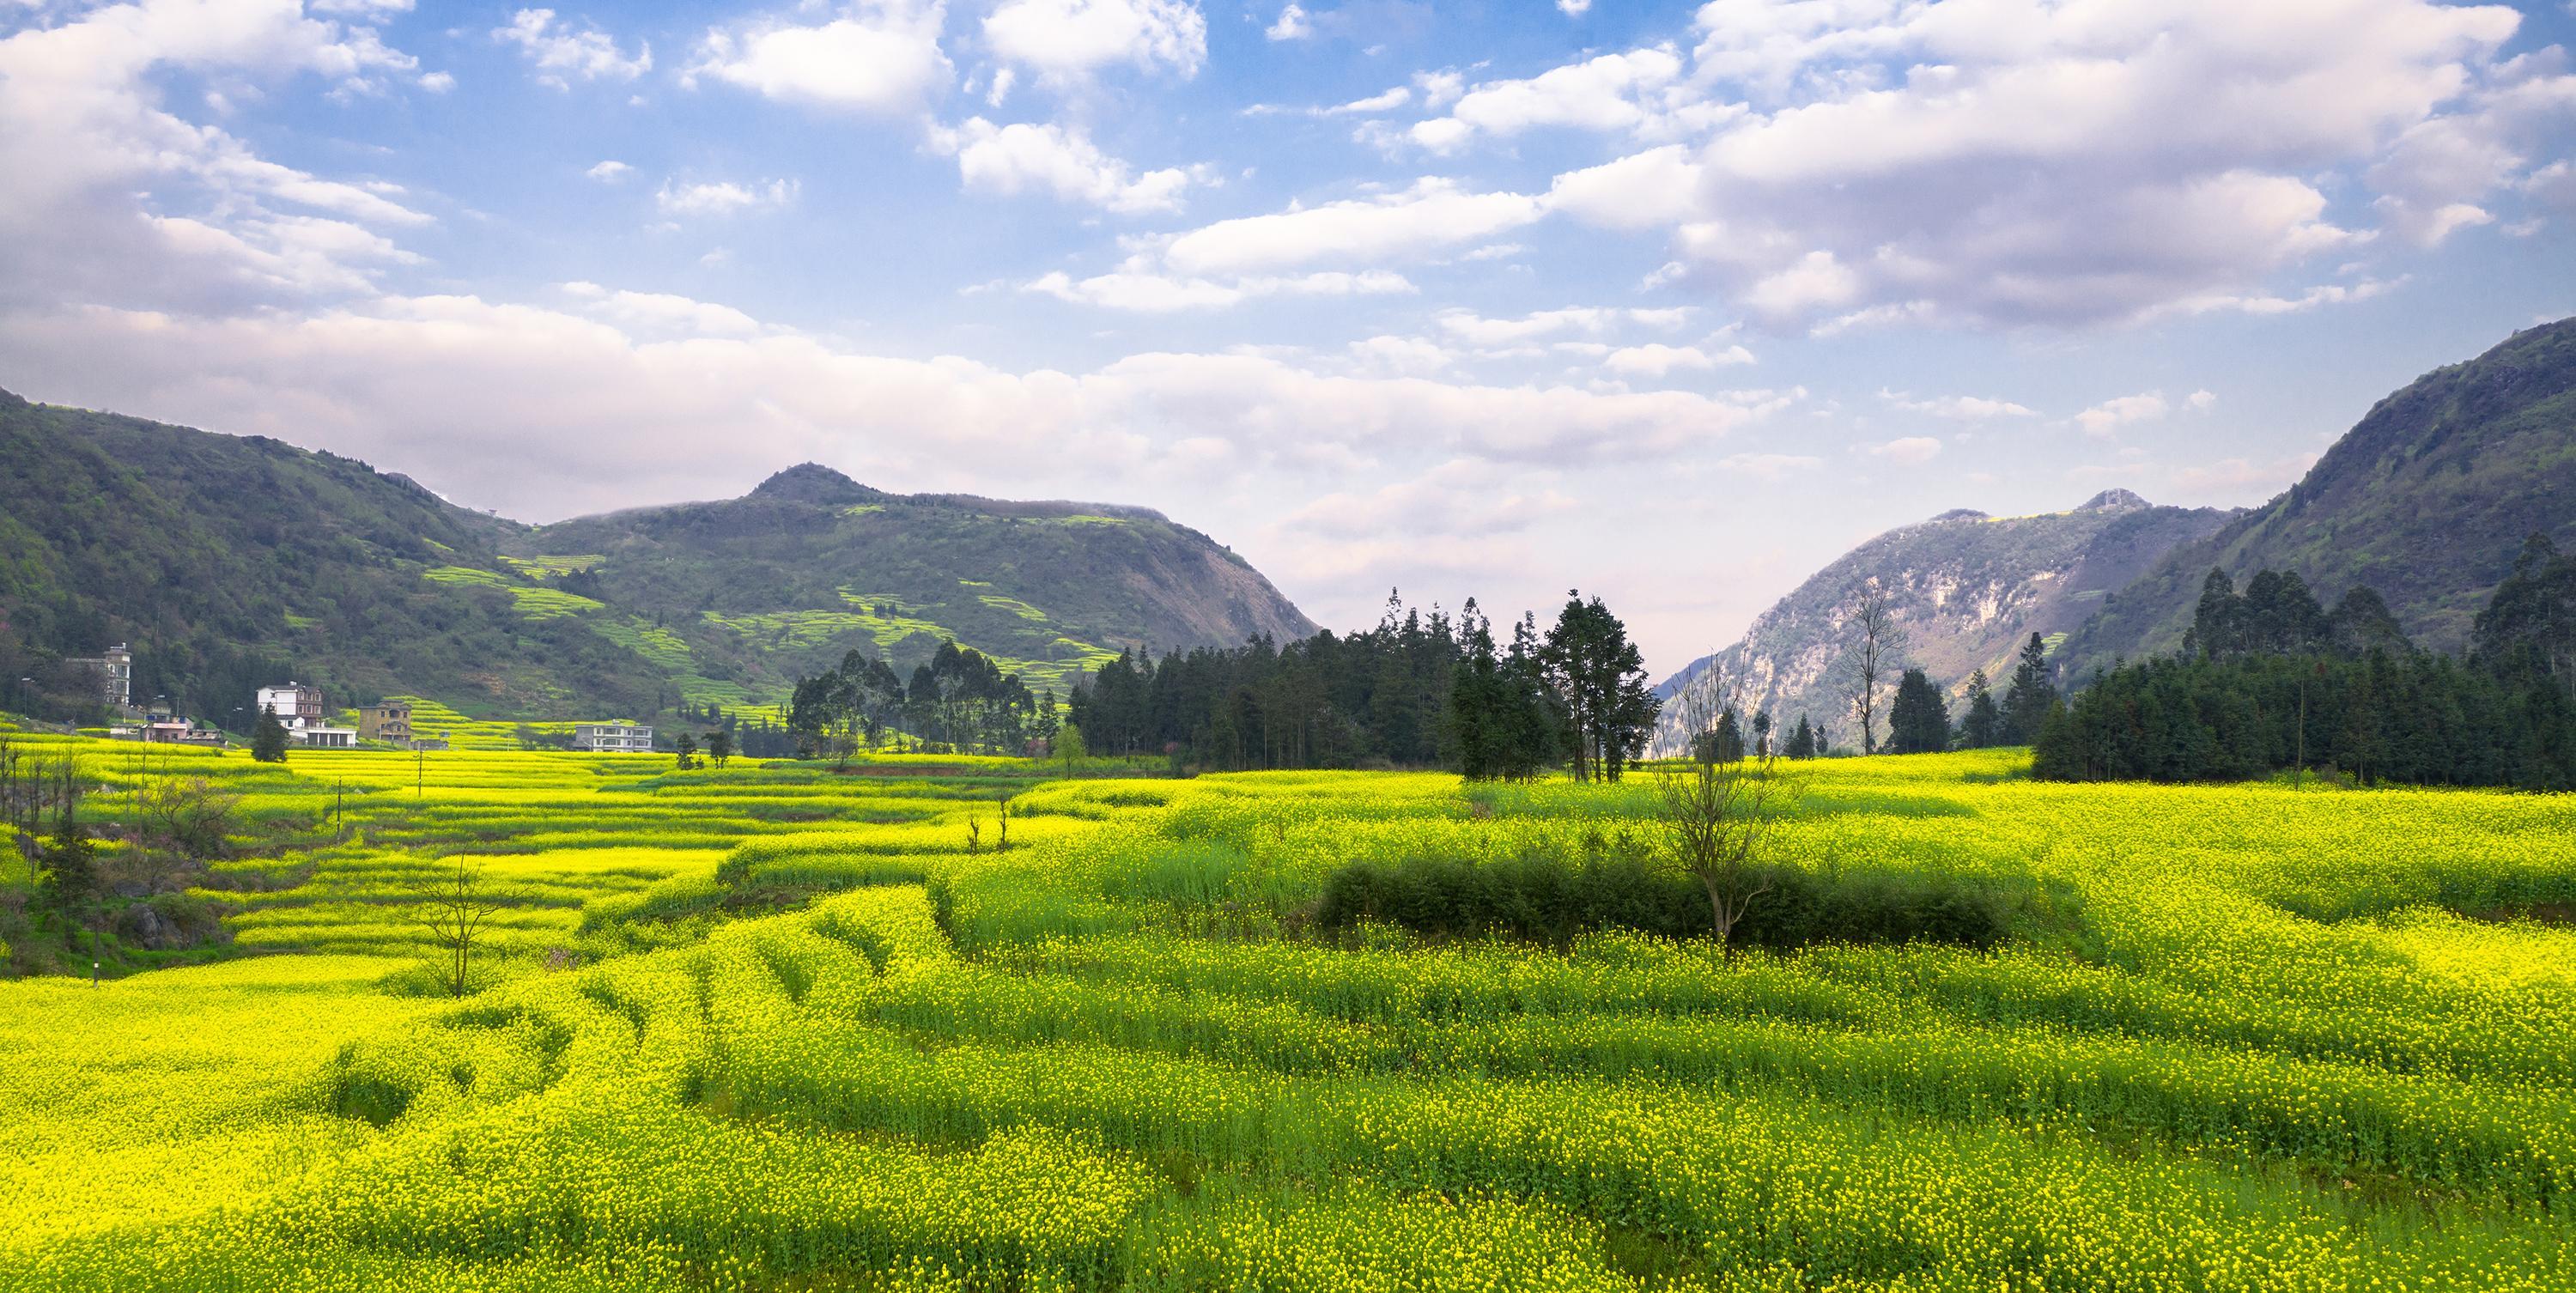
{"points": [[115, 670], [295, 704], [299, 709], [389, 722], [621, 738]]}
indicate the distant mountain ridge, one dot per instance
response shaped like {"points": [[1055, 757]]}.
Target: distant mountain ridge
{"points": [[221, 557], [1967, 588], [2426, 501]]}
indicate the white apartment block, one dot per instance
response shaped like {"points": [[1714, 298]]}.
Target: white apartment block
{"points": [[617, 738]]}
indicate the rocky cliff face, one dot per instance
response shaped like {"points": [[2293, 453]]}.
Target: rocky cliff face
{"points": [[1967, 588]]}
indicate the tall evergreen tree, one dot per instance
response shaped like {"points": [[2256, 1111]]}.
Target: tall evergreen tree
{"points": [[2027, 700], [268, 738], [1983, 725], [1918, 721], [1601, 676]]}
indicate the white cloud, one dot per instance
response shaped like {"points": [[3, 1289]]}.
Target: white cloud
{"points": [[1056, 160], [1388, 101], [2110, 415], [437, 82], [114, 197], [1430, 215], [1611, 92], [1402, 354], [1145, 291], [1913, 450], [1574, 8], [2201, 401], [1067, 40], [2262, 304], [723, 197], [461, 388], [882, 58], [611, 171], [1656, 359], [1956, 408], [1292, 25], [1658, 187], [2014, 162], [563, 53], [1477, 330], [660, 313]]}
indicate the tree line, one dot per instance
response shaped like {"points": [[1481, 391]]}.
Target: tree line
{"points": [[1420, 689], [959, 701], [2270, 680]]}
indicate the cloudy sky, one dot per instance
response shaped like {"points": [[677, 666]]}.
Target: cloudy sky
{"points": [[1495, 299]]}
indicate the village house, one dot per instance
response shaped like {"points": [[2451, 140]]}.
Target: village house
{"points": [[621, 738], [299, 709], [389, 722]]}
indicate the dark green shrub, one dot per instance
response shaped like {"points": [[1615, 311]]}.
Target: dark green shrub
{"points": [[1552, 900]]}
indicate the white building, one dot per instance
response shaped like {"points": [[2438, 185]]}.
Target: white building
{"points": [[295, 704], [299, 710], [620, 738]]}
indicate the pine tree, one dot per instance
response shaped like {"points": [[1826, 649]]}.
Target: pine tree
{"points": [[2027, 701], [1477, 720], [1602, 677], [268, 738], [1919, 720], [1984, 723]]}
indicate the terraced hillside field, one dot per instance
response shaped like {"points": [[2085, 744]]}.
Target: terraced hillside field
{"points": [[2251, 1038]]}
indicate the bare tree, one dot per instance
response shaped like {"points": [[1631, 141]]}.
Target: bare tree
{"points": [[1719, 805], [455, 908], [1873, 655]]}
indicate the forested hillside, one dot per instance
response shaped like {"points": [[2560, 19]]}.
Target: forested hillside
{"points": [[2426, 501], [233, 561]]}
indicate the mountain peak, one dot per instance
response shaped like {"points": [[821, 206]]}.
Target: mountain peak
{"points": [[2115, 500], [812, 482]]}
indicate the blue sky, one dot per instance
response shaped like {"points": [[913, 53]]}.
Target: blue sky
{"points": [[1673, 303]]}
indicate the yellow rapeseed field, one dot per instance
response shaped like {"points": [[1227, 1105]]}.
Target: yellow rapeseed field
{"points": [[777, 1027]]}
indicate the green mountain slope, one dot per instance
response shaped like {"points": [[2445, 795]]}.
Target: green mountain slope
{"points": [[1968, 590], [2426, 500], [225, 559], [783, 580]]}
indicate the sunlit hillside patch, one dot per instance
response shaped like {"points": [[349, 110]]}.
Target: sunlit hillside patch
{"points": [[554, 567], [468, 575], [549, 603]]}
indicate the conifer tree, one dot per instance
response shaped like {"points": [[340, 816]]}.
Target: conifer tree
{"points": [[1919, 720], [1983, 725], [2027, 701], [268, 738]]}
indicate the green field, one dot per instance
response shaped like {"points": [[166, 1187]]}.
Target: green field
{"points": [[774, 1027]]}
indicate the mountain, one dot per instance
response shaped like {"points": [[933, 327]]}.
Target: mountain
{"points": [[1968, 589], [2426, 501], [227, 558], [786, 578]]}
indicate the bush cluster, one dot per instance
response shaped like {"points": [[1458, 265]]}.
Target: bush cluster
{"points": [[1552, 899]]}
